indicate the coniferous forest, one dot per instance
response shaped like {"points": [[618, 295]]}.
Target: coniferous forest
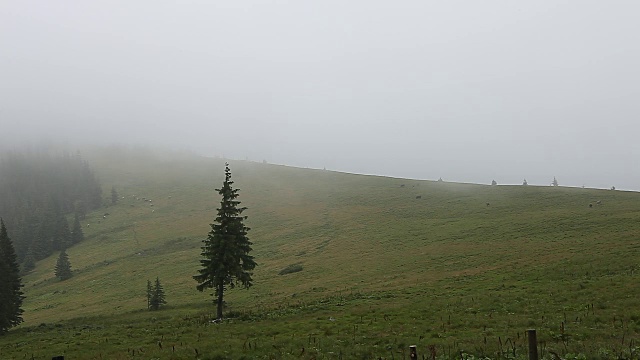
{"points": [[43, 196]]}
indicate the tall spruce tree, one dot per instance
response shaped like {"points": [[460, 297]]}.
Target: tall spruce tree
{"points": [[10, 283], [63, 266], [225, 253], [157, 296]]}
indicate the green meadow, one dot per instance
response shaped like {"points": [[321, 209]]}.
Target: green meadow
{"points": [[349, 267]]}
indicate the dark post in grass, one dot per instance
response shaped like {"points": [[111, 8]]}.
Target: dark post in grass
{"points": [[533, 344], [413, 352]]}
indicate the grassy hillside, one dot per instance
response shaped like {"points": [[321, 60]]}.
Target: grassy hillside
{"points": [[385, 263]]}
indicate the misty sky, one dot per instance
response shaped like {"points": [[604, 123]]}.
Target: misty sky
{"points": [[469, 91]]}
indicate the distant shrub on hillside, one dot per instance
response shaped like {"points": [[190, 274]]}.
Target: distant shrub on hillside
{"points": [[291, 269]]}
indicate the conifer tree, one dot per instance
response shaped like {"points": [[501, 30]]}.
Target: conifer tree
{"points": [[157, 296], [62, 236], [29, 262], [63, 266], [77, 235], [225, 253], [80, 209], [10, 283], [149, 294]]}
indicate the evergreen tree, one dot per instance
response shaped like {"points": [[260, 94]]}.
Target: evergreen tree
{"points": [[10, 283], [226, 260], [63, 266], [29, 263], [114, 196], [149, 294], [38, 245], [76, 234], [46, 240], [157, 296], [62, 235], [80, 209]]}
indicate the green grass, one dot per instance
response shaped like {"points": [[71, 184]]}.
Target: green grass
{"points": [[381, 269]]}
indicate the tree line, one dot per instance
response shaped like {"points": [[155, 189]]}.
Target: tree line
{"points": [[38, 192]]}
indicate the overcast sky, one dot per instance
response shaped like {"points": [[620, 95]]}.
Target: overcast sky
{"points": [[469, 91]]}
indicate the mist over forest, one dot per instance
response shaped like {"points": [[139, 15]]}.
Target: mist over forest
{"points": [[39, 192], [465, 91]]}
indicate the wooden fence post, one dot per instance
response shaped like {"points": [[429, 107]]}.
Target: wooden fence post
{"points": [[533, 344], [413, 352]]}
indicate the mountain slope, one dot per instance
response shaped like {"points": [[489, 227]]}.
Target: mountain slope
{"points": [[512, 254]]}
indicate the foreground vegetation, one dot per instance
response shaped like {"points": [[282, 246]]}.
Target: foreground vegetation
{"points": [[464, 269]]}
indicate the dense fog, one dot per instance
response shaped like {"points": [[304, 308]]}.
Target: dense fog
{"points": [[468, 91]]}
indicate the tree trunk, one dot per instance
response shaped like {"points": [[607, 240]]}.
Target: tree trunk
{"points": [[220, 293]]}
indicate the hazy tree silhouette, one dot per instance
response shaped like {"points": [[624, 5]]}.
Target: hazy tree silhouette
{"points": [[63, 266], [77, 235], [114, 196], [29, 262]]}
